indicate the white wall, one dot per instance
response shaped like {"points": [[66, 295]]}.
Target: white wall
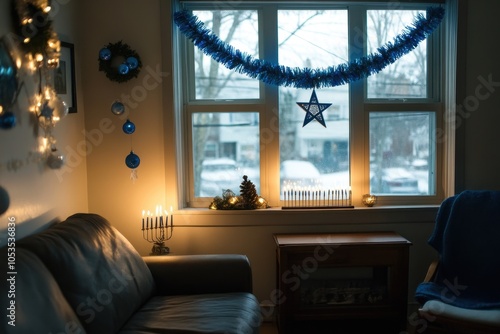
{"points": [[39, 194]]}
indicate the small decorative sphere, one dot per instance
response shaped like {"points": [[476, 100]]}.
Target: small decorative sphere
{"points": [[132, 160], [55, 160], [7, 120], [128, 127], [369, 200], [105, 54], [132, 62], [117, 108], [123, 69], [4, 200]]}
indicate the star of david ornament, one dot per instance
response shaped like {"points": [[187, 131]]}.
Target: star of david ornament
{"points": [[46, 110], [314, 110]]}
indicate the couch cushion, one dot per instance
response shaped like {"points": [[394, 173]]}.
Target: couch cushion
{"points": [[225, 313], [39, 305], [99, 272]]}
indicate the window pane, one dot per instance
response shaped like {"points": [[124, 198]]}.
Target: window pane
{"points": [[225, 147], [407, 77], [402, 154], [214, 80], [312, 156]]}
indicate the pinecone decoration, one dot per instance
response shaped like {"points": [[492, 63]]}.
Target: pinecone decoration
{"points": [[248, 194]]}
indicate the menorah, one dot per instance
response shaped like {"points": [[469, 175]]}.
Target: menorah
{"points": [[157, 230], [317, 199]]}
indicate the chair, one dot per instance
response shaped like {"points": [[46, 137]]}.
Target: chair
{"points": [[461, 291]]}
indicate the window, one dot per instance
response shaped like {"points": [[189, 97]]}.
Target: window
{"points": [[378, 134]]}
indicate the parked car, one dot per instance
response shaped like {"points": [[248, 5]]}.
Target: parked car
{"points": [[218, 175], [394, 181], [299, 173], [221, 174]]}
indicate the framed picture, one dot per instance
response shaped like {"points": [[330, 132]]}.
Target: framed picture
{"points": [[64, 76]]}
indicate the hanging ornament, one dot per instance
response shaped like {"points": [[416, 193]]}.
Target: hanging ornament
{"points": [[314, 110], [133, 161], [50, 109], [9, 85], [117, 108], [4, 200], [7, 119], [128, 127], [55, 160]]}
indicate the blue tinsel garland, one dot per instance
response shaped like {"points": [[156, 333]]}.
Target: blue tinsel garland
{"points": [[279, 75]]}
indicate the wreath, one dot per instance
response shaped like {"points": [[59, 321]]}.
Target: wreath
{"points": [[119, 62], [33, 24]]}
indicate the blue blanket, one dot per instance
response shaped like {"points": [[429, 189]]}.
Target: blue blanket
{"points": [[467, 238]]}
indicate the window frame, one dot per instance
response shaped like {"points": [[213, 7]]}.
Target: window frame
{"points": [[267, 105]]}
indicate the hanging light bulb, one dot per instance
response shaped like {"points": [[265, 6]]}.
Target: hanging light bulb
{"points": [[38, 60]]}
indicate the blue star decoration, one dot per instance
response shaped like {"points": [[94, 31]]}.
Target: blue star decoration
{"points": [[46, 111], [314, 110]]}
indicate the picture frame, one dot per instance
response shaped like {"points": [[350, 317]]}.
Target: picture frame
{"points": [[64, 76]]}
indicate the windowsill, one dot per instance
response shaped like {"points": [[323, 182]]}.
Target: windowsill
{"points": [[276, 216]]}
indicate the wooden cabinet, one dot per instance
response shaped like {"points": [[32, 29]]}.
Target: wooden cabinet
{"points": [[341, 279]]}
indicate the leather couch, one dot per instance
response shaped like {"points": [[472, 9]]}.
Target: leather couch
{"points": [[83, 276]]}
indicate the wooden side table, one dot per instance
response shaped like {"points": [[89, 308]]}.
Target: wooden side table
{"points": [[335, 279]]}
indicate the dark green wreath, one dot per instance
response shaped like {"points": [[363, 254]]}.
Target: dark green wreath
{"points": [[119, 54], [39, 29]]}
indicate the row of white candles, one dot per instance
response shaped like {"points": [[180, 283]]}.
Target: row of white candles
{"points": [[157, 221], [317, 198]]}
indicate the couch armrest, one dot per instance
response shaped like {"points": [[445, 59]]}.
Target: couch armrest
{"points": [[195, 274]]}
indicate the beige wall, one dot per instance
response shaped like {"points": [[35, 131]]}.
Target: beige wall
{"points": [[107, 179], [115, 196], [38, 194], [480, 103]]}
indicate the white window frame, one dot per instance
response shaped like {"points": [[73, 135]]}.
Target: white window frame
{"points": [[267, 105]]}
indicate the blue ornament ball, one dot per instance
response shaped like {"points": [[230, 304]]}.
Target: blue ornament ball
{"points": [[132, 63], [117, 108], [123, 69], [128, 127], [105, 54], [7, 120], [132, 160]]}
